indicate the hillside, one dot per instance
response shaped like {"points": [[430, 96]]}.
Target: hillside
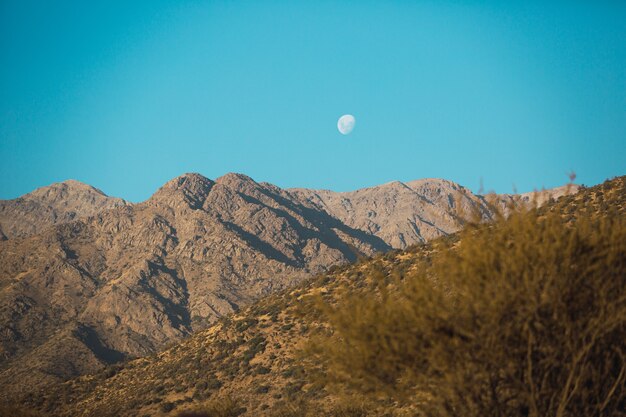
{"points": [[255, 355], [125, 281], [97, 281]]}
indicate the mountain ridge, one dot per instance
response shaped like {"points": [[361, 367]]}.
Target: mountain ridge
{"points": [[403, 214], [119, 280], [128, 280], [252, 355]]}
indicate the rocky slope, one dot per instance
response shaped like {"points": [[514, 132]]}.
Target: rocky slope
{"points": [[57, 203], [126, 281], [86, 280], [253, 356], [403, 214]]}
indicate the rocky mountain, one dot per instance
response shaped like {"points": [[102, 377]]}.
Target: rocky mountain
{"points": [[403, 214], [87, 280], [126, 281], [254, 356], [57, 203]]}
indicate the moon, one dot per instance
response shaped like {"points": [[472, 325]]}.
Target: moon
{"points": [[345, 124]]}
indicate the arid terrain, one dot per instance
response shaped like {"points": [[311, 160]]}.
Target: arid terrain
{"points": [[88, 280], [253, 359]]}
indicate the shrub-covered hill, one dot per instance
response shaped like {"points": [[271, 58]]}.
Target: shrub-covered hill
{"points": [[524, 317], [251, 357]]}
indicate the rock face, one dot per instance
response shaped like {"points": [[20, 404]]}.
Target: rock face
{"points": [[87, 280], [537, 198], [58, 203], [403, 214], [126, 281]]}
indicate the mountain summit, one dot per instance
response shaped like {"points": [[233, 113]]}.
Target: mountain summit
{"points": [[189, 189], [46, 206]]}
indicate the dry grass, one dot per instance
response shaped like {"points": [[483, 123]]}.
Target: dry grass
{"points": [[220, 407], [524, 317], [17, 412]]}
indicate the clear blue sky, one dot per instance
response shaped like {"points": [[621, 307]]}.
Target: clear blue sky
{"points": [[126, 95]]}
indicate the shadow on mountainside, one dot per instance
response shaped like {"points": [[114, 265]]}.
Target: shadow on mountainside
{"points": [[325, 224], [90, 338]]}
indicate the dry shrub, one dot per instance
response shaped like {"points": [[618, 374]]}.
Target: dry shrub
{"points": [[220, 407], [17, 412], [523, 317], [300, 408]]}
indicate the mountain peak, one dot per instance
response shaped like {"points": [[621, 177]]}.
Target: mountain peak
{"points": [[234, 178], [76, 184], [192, 188], [63, 189], [187, 180], [433, 182], [56, 203], [238, 182]]}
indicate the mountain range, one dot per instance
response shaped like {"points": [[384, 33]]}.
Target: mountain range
{"points": [[88, 280], [254, 356]]}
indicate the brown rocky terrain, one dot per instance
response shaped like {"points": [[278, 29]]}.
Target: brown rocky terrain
{"points": [[254, 356], [403, 214], [57, 203], [87, 280], [126, 281]]}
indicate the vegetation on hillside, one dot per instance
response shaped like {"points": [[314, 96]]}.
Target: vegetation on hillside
{"points": [[522, 317]]}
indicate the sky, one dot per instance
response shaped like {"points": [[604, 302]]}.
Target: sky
{"points": [[127, 95]]}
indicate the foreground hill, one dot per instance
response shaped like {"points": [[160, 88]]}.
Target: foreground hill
{"points": [[255, 356]]}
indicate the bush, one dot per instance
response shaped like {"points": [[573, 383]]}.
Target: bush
{"points": [[262, 370], [245, 324], [222, 407], [263, 389], [525, 317], [166, 407]]}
